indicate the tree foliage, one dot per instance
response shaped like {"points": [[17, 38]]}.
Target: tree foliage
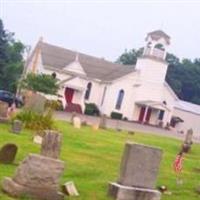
{"points": [[11, 59], [183, 76], [40, 82], [130, 57]]}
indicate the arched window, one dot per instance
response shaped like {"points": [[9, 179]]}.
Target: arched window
{"points": [[88, 91], [119, 99]]}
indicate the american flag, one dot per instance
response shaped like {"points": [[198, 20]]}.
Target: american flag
{"points": [[178, 163]]}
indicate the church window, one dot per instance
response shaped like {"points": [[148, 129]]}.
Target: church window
{"points": [[88, 91], [119, 99]]}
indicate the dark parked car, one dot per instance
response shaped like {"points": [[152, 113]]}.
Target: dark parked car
{"points": [[10, 98]]}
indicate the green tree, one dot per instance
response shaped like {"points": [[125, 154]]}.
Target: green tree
{"points": [[40, 82], [130, 57], [11, 59]]}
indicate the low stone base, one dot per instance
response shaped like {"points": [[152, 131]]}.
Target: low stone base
{"points": [[16, 190], [121, 192]]}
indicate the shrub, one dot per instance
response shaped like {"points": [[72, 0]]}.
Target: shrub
{"points": [[36, 121], [54, 104], [116, 115], [91, 109]]}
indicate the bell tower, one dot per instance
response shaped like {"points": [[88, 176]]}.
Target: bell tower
{"points": [[152, 65], [156, 44]]}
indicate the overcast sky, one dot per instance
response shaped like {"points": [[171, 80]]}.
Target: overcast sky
{"points": [[104, 28]]}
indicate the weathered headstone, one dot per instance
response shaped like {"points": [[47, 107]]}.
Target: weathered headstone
{"points": [[138, 173], [38, 177], [187, 144], [102, 123], [37, 139], [8, 153], [95, 127], [69, 188], [17, 126], [35, 102], [3, 110], [188, 137], [77, 122], [72, 117], [51, 144]]}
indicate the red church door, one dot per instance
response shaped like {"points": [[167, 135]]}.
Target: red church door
{"points": [[69, 93], [141, 115], [148, 116]]}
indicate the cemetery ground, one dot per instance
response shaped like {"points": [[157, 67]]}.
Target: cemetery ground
{"points": [[92, 159]]}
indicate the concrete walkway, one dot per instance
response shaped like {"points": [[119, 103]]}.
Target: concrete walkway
{"points": [[124, 125]]}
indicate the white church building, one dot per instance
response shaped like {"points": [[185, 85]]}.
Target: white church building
{"points": [[139, 93]]}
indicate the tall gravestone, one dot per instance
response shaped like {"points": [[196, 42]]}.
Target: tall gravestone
{"points": [[51, 144], [3, 111], [138, 173], [188, 137], [102, 123], [38, 175], [35, 102], [187, 144]]}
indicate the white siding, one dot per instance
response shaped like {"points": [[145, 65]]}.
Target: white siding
{"points": [[191, 120]]}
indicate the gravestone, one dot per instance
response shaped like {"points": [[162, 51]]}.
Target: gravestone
{"points": [[8, 153], [72, 117], [69, 188], [17, 126], [187, 144], [95, 127], [102, 123], [77, 122], [51, 144], [37, 139], [38, 177], [35, 102], [188, 137], [138, 173], [3, 110]]}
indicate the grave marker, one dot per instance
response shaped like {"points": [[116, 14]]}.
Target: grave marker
{"points": [[17, 126], [187, 144], [38, 177], [3, 109], [8, 153], [77, 122], [35, 102], [51, 144], [138, 173]]}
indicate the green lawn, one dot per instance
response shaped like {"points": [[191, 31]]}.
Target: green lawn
{"points": [[92, 159]]}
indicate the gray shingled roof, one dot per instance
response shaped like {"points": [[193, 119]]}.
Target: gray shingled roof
{"points": [[96, 68]]}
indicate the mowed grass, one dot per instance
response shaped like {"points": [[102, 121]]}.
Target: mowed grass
{"points": [[92, 159]]}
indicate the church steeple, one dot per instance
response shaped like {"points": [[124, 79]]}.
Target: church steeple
{"points": [[156, 44], [152, 65]]}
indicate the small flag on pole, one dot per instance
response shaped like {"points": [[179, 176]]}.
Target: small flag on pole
{"points": [[178, 163]]}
